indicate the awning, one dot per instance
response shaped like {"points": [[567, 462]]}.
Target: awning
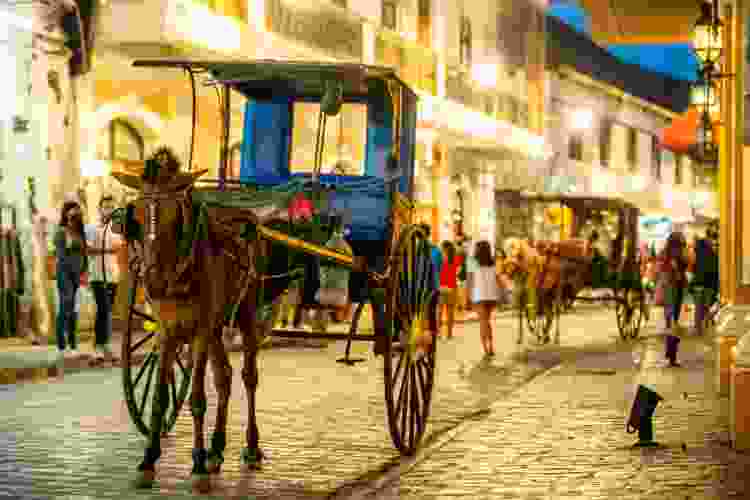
{"points": [[679, 137]]}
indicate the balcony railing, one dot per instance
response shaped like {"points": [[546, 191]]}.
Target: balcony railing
{"points": [[415, 64], [497, 105]]}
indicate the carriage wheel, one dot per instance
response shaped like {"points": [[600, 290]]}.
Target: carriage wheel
{"points": [[140, 365], [409, 368], [630, 308], [540, 321]]}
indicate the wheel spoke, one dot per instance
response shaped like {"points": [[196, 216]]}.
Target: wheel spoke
{"points": [[401, 393], [173, 390], [142, 315], [182, 367], [146, 390], [415, 413], [142, 341], [147, 362]]}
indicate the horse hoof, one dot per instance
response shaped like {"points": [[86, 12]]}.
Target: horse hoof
{"points": [[251, 460], [145, 479], [201, 483]]}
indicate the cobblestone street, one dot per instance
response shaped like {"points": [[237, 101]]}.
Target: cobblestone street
{"points": [[323, 425]]}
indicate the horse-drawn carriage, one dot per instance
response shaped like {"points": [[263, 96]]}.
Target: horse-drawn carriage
{"points": [[211, 253], [553, 271]]}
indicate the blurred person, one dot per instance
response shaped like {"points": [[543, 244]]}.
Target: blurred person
{"points": [[103, 276], [482, 283], [71, 253], [672, 276], [452, 262], [705, 282], [433, 320]]}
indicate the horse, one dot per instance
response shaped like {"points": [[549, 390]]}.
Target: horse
{"points": [[209, 278]]}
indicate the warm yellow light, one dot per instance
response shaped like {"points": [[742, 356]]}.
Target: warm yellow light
{"points": [[485, 74], [582, 119]]}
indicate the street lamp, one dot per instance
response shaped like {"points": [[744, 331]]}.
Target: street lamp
{"points": [[703, 93], [705, 145], [707, 33]]}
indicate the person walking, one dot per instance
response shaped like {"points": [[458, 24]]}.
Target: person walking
{"points": [[673, 277], [71, 255], [433, 320], [103, 277], [449, 286], [482, 284], [705, 283]]}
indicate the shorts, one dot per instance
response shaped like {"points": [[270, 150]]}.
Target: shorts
{"points": [[449, 296]]}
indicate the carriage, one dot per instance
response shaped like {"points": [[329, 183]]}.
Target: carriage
{"points": [[268, 244], [556, 266]]}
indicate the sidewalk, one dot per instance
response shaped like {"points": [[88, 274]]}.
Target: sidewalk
{"points": [[563, 436]]}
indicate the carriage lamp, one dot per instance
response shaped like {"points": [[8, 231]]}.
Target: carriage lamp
{"points": [[641, 414]]}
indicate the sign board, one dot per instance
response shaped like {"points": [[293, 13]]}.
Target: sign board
{"points": [[324, 27]]}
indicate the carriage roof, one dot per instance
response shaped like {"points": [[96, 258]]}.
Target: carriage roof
{"points": [[264, 77], [571, 200]]}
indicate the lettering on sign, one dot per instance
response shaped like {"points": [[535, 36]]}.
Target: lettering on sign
{"points": [[324, 28]]}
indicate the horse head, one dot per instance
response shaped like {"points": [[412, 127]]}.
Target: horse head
{"points": [[164, 209]]}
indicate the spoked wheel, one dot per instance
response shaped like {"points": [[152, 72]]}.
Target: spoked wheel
{"points": [[540, 316], [409, 360], [630, 308], [140, 363]]}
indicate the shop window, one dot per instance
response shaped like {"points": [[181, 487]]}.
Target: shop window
{"points": [[575, 147], [390, 14], [632, 149], [655, 158], [605, 142], [425, 22], [345, 139], [120, 141], [678, 164], [465, 41]]}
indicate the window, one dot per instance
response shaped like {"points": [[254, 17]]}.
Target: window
{"points": [[425, 22], [120, 141], [390, 14], [575, 147], [655, 158], [632, 149], [464, 41], [678, 163], [605, 141], [345, 139]]}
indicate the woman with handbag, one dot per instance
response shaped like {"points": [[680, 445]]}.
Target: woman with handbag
{"points": [[449, 286], [673, 264]]}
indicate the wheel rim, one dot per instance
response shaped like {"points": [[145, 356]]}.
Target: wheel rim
{"points": [[540, 324], [140, 365], [410, 371], [630, 312]]}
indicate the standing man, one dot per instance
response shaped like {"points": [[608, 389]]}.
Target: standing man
{"points": [[104, 277]]}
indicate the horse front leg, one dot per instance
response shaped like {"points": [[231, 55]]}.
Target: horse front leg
{"points": [[223, 383], [147, 470], [252, 455], [198, 407]]}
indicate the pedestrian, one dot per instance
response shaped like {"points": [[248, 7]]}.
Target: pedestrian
{"points": [[705, 283], [433, 320], [71, 253], [449, 286], [103, 277], [483, 289], [673, 277]]}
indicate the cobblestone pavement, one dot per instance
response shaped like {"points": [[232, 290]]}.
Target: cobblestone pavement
{"points": [[322, 424], [562, 436]]}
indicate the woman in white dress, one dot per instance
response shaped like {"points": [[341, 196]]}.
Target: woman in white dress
{"points": [[482, 285]]}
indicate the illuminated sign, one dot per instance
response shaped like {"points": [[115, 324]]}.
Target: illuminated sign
{"points": [[195, 23]]}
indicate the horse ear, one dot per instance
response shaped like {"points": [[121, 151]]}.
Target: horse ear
{"points": [[129, 180]]}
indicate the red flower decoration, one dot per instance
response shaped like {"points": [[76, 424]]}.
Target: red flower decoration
{"points": [[300, 208]]}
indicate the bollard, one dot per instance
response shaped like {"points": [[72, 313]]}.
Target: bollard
{"points": [[723, 360], [641, 413]]}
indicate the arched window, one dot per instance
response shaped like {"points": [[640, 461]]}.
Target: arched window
{"points": [[121, 141]]}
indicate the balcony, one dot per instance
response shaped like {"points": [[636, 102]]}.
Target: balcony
{"points": [[167, 24], [496, 105], [416, 65]]}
